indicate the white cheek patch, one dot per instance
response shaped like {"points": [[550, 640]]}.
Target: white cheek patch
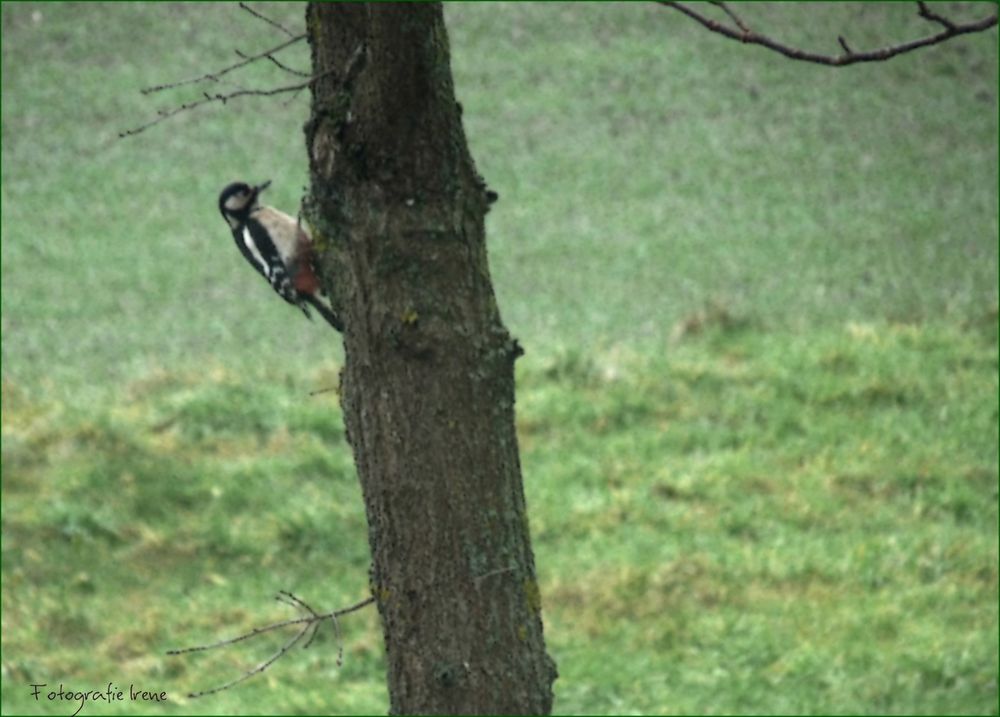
{"points": [[236, 202]]}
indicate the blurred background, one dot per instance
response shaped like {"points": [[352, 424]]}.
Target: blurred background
{"points": [[758, 411]]}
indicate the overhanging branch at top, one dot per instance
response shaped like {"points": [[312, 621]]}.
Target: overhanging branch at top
{"points": [[743, 33]]}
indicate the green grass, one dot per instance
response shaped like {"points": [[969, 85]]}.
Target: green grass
{"points": [[758, 413]]}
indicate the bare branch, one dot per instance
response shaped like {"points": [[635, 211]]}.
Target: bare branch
{"points": [[256, 670], [214, 76], [340, 640], [223, 98], [310, 622], [297, 602], [850, 57], [240, 638], [274, 626], [353, 66], [258, 14], [322, 390], [291, 99], [293, 600], [927, 14], [279, 63], [732, 16], [315, 629]]}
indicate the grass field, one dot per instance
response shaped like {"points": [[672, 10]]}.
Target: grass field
{"points": [[758, 411]]}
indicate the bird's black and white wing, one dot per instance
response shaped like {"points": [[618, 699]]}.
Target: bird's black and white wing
{"points": [[255, 244]]}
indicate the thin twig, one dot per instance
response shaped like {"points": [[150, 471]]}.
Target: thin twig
{"points": [[284, 599], [354, 65], [340, 640], [214, 76], [258, 14], [240, 638], [927, 14], [951, 29], [276, 61], [274, 626], [256, 670], [315, 629], [296, 601], [311, 622], [292, 600], [291, 99], [223, 98], [732, 16]]}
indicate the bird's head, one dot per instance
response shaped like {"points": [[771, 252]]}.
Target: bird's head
{"points": [[238, 200]]}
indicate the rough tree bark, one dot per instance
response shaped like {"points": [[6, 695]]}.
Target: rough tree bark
{"points": [[427, 387]]}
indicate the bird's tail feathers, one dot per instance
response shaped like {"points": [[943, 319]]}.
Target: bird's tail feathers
{"points": [[325, 312]]}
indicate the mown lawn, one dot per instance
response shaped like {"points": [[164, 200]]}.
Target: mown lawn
{"points": [[758, 411]]}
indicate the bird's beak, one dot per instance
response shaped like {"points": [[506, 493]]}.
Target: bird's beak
{"points": [[261, 187]]}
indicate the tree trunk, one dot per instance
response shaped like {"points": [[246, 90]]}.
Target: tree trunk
{"points": [[428, 384]]}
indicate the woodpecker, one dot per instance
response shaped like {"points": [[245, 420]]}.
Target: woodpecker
{"points": [[277, 246]]}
